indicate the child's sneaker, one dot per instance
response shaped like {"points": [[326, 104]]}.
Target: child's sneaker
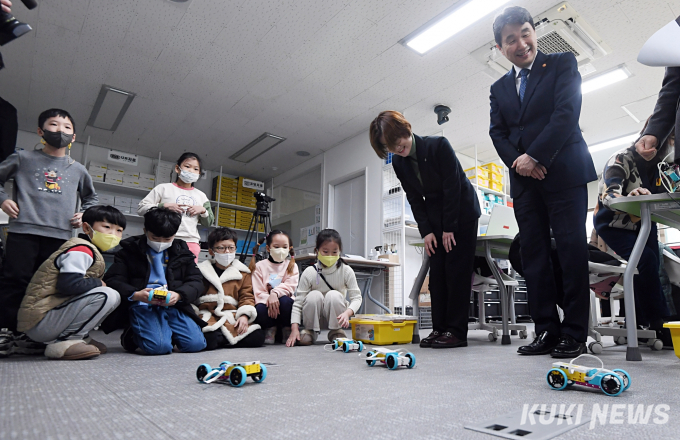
{"points": [[127, 340], [308, 337], [25, 345], [71, 350], [6, 342], [335, 334], [269, 335]]}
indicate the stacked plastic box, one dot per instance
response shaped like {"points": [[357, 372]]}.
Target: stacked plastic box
{"points": [[224, 191], [479, 176], [495, 174]]}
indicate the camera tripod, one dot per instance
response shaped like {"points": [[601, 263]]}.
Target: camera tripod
{"points": [[261, 216]]}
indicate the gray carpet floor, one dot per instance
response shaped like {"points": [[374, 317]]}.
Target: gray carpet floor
{"points": [[310, 393]]}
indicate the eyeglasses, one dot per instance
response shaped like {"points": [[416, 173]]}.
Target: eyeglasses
{"points": [[222, 249]]}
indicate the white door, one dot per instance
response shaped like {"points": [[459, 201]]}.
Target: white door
{"points": [[349, 214]]}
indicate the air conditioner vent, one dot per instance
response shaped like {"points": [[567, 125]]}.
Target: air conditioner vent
{"points": [[552, 42]]}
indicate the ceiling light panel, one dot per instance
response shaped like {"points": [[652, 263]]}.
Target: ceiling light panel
{"points": [[109, 108], [257, 148], [618, 142], [450, 24], [605, 79]]}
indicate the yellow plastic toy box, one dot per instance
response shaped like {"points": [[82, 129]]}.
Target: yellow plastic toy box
{"points": [[675, 335], [383, 329]]}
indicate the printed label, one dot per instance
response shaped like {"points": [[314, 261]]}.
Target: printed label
{"points": [[365, 332], [253, 184], [119, 156]]}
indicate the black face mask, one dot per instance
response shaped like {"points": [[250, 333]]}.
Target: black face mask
{"points": [[57, 139]]}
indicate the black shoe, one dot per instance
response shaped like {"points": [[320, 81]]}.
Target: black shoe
{"points": [[427, 342], [447, 340], [6, 342], [543, 344], [568, 348], [127, 340]]}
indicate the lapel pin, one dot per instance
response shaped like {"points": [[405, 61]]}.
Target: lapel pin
{"points": [[544, 65]]}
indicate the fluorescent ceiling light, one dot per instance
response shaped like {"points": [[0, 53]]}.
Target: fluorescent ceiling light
{"points": [[257, 148], [452, 23], [606, 79], [109, 108], [618, 142]]}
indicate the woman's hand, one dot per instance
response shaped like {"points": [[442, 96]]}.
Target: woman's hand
{"points": [[430, 243], [449, 241], [174, 207], [343, 318], [10, 208], [639, 192], [195, 210], [294, 335], [241, 325], [273, 305]]}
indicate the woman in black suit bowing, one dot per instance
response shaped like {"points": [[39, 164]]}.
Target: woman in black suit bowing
{"points": [[445, 205]]}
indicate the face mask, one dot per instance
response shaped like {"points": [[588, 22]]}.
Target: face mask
{"points": [[225, 259], [328, 260], [57, 139], [157, 245], [279, 254], [188, 176], [104, 241]]}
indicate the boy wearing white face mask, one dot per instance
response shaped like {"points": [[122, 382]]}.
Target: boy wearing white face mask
{"points": [[183, 198], [151, 261], [275, 281], [227, 304], [66, 297]]}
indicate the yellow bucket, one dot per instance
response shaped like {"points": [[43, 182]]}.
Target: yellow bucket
{"points": [[675, 335], [382, 332]]}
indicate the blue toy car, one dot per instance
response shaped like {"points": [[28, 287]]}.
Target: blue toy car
{"points": [[233, 374], [390, 357], [611, 382]]}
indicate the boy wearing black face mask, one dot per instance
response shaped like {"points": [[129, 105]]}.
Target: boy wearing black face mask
{"points": [[145, 262], [42, 214]]}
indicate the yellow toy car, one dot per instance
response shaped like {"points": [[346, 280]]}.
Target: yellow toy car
{"points": [[611, 382], [392, 358], [233, 374]]}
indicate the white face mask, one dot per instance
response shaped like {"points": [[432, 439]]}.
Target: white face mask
{"points": [[225, 259], [158, 246], [188, 176], [279, 254]]}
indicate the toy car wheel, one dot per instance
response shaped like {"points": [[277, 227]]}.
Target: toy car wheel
{"points": [[595, 347], [262, 375], [391, 361], [237, 377], [611, 384], [373, 361], [621, 340], [625, 376], [335, 345], [523, 334], [345, 347], [492, 336], [202, 371], [225, 364], [557, 379], [361, 346], [412, 360]]}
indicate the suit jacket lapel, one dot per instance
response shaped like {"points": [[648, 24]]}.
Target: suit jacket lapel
{"points": [[534, 78]]}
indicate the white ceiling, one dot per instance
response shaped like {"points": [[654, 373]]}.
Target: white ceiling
{"points": [[212, 75]]}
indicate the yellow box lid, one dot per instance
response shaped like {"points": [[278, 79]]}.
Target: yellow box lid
{"points": [[675, 324]]}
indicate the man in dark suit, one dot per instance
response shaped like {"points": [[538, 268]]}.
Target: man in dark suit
{"points": [[535, 110]]}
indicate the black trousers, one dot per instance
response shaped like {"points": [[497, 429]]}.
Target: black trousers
{"points": [[24, 253], [537, 211], [216, 339], [451, 281]]}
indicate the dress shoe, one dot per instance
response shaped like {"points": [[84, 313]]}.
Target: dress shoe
{"points": [[543, 344], [427, 342], [568, 348], [447, 340]]}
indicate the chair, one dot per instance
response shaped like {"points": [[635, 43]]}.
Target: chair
{"points": [[481, 285]]}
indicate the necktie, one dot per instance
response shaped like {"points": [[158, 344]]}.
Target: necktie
{"points": [[523, 84]]}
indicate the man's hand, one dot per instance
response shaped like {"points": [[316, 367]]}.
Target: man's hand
{"points": [[539, 172], [77, 220], [525, 166], [241, 325], [430, 243], [10, 208], [6, 5], [449, 241], [273, 305], [639, 192], [646, 146]]}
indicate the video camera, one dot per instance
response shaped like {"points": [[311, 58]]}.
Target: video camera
{"points": [[11, 28], [263, 201]]}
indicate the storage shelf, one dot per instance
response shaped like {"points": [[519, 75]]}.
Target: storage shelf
{"points": [[490, 191], [108, 187], [232, 206]]}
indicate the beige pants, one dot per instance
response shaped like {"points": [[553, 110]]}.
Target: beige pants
{"points": [[321, 310]]}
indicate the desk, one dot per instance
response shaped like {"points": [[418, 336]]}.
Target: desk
{"points": [[489, 247], [661, 208], [359, 263]]}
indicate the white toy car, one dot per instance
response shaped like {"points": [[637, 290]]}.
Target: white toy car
{"points": [[233, 374], [390, 357], [347, 345]]}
